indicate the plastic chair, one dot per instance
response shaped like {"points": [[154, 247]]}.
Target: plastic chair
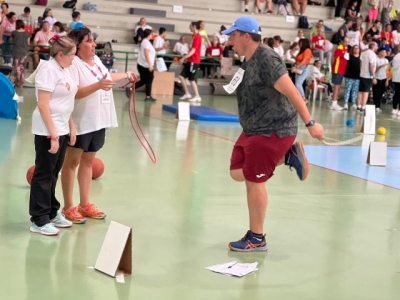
{"points": [[314, 89]]}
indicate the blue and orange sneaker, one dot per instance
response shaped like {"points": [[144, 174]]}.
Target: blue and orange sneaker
{"points": [[296, 158], [249, 243]]}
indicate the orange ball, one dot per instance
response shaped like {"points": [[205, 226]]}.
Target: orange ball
{"points": [[97, 168], [29, 174]]}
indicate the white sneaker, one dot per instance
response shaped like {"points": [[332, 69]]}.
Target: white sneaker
{"points": [[195, 99], [378, 110], [398, 112], [354, 107], [47, 229], [335, 106], [345, 106], [394, 111], [60, 221], [186, 96]]}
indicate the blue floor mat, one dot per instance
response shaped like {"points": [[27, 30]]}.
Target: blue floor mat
{"points": [[351, 160], [204, 113]]}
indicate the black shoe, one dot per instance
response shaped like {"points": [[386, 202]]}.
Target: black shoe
{"points": [[246, 10], [215, 77], [150, 99], [223, 77]]}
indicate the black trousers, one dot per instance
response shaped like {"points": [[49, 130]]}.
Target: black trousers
{"points": [[338, 9], [396, 97], [377, 90], [146, 78], [43, 205]]}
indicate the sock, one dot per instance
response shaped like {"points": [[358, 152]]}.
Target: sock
{"points": [[246, 7], [258, 236]]}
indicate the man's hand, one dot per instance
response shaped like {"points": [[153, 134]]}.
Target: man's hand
{"points": [[316, 131]]}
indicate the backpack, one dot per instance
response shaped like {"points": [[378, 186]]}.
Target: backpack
{"points": [[90, 7], [303, 22], [41, 2], [70, 4], [9, 106], [178, 89], [336, 38]]}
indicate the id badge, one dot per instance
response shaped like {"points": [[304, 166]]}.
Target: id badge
{"points": [[105, 97], [236, 80]]}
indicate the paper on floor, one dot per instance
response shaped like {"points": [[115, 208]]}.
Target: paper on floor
{"points": [[234, 269]]}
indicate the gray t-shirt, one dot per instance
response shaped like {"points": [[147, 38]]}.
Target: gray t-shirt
{"points": [[20, 46], [262, 109]]}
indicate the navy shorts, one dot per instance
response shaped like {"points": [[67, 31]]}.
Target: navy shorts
{"points": [[91, 142], [337, 79]]}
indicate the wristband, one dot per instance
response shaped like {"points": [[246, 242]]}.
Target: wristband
{"points": [[56, 138], [311, 123]]}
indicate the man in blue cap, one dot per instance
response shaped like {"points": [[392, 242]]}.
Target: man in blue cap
{"points": [[268, 105]]}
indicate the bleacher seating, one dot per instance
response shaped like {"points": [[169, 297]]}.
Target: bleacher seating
{"points": [[116, 19]]}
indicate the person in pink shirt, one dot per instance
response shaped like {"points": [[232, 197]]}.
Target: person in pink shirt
{"points": [[7, 26], [41, 39]]}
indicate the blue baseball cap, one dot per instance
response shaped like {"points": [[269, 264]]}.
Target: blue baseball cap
{"points": [[245, 24]]}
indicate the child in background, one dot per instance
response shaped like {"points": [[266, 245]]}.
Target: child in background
{"points": [[283, 3], [20, 40], [107, 57]]}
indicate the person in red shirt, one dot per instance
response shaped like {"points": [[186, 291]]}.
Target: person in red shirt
{"points": [[318, 47], [214, 51], [339, 64], [388, 35], [192, 64]]}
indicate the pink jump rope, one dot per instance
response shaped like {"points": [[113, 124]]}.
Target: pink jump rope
{"points": [[132, 102]]}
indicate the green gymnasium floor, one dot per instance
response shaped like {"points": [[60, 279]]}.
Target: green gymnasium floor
{"points": [[333, 236]]}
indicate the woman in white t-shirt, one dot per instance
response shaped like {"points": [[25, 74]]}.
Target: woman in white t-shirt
{"points": [[93, 113], [139, 30], [48, 17], [145, 65], [54, 129], [292, 52], [382, 67], [354, 35]]}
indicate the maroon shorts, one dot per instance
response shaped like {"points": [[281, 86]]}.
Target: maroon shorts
{"points": [[258, 155]]}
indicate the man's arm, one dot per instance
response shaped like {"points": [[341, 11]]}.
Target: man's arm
{"points": [[285, 86]]}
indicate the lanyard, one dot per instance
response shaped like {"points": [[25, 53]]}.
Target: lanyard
{"points": [[91, 70]]}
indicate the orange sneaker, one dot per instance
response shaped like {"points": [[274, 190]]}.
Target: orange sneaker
{"points": [[72, 214], [91, 211]]}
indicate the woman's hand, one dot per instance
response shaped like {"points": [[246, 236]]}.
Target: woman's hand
{"points": [[105, 84], [151, 68], [72, 137], [54, 146]]}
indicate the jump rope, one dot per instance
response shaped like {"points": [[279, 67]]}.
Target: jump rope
{"points": [[146, 145], [340, 143], [132, 104]]}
